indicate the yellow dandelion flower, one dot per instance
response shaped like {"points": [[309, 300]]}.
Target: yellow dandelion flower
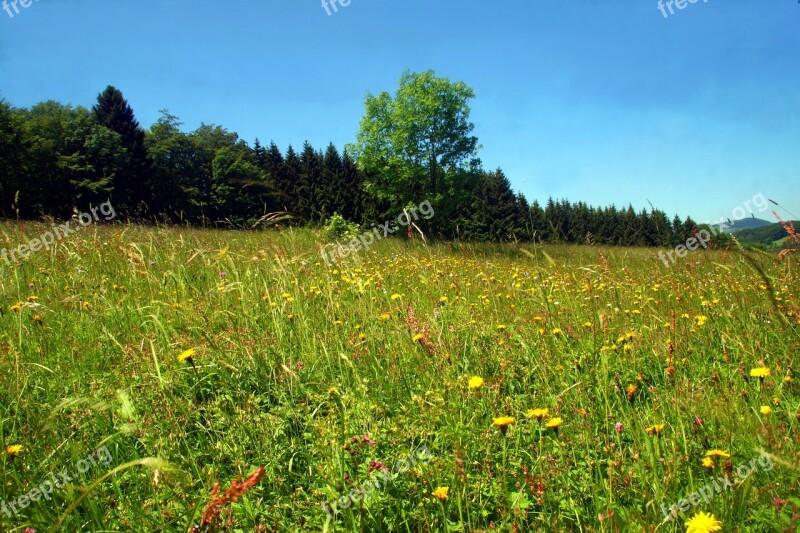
{"points": [[443, 300], [32, 298], [396, 296], [187, 354], [717, 453], [503, 421], [557, 331], [707, 462], [765, 410], [383, 317], [655, 429], [630, 390], [37, 319], [760, 372], [475, 382], [501, 327], [14, 449], [86, 306], [441, 493], [362, 336], [703, 523], [16, 307], [417, 337], [538, 414], [553, 423]]}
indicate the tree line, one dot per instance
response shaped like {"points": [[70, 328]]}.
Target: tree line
{"points": [[56, 158]]}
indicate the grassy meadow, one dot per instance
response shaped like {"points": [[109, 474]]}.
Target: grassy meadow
{"points": [[561, 388]]}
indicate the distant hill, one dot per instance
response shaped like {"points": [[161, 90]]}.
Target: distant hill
{"points": [[768, 235], [747, 223]]}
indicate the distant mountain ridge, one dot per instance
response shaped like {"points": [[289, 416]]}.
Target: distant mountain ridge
{"points": [[746, 223], [771, 235]]}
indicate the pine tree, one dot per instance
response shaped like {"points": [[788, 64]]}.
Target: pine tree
{"points": [[132, 188]]}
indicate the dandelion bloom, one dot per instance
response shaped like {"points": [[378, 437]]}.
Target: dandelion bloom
{"points": [[557, 331], [417, 337], [765, 409], [441, 493], [503, 421], [383, 317], [703, 523], [553, 423], [717, 453], [655, 429], [475, 382], [396, 296], [761, 372], [538, 414], [186, 355], [707, 462], [630, 390], [14, 449]]}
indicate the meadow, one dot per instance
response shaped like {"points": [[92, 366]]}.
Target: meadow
{"points": [[564, 388]]}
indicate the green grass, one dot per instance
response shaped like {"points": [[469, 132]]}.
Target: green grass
{"points": [[293, 359]]}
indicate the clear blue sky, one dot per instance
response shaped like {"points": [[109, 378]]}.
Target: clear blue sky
{"points": [[604, 102]]}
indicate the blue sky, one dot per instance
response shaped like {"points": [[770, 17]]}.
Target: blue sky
{"points": [[603, 102]]}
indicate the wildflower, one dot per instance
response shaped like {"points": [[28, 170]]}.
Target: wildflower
{"points": [[16, 307], [618, 427], [396, 296], [443, 300], [717, 453], [655, 429], [760, 373], [37, 319], [553, 423], [707, 462], [703, 523], [14, 449], [362, 336], [701, 319], [475, 382], [86, 306], [557, 331], [503, 421], [501, 327], [418, 337], [186, 355], [32, 298], [538, 414], [441, 493], [765, 410], [214, 507], [630, 390], [383, 317]]}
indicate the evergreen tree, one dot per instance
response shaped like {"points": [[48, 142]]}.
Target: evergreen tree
{"points": [[132, 188]]}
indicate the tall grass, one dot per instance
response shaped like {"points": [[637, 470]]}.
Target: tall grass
{"points": [[293, 359]]}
